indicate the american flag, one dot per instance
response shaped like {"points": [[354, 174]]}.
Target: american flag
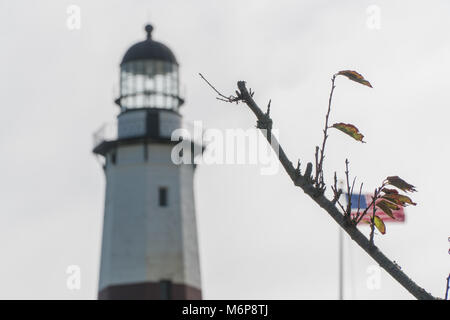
{"points": [[365, 200]]}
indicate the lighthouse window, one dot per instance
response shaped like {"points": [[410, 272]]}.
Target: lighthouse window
{"points": [[163, 197]]}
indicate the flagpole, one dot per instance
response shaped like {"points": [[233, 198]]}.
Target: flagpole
{"points": [[341, 265]]}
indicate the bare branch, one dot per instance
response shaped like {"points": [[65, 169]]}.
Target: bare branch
{"points": [[319, 181], [359, 201], [349, 195], [448, 287], [343, 221], [222, 97], [372, 219], [268, 108], [337, 194]]}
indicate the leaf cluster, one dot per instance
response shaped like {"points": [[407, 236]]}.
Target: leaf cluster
{"points": [[385, 199]]}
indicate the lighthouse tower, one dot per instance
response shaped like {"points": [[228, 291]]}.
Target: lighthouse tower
{"points": [[149, 244]]}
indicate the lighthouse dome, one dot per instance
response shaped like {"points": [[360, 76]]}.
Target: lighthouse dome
{"points": [[149, 50]]}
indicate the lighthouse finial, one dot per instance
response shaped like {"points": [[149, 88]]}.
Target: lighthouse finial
{"points": [[149, 29]]}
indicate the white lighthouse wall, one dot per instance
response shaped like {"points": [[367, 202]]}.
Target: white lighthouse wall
{"points": [[189, 227], [143, 241]]}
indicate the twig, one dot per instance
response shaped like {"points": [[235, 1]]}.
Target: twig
{"points": [[359, 201], [297, 170], [448, 287], [349, 195], [374, 199], [316, 157], [223, 97], [319, 181], [268, 108], [372, 219], [337, 194]]}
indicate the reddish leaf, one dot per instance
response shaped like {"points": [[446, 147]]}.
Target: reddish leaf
{"points": [[355, 76], [379, 224], [389, 191], [399, 199], [391, 206], [349, 129], [387, 207], [396, 181]]}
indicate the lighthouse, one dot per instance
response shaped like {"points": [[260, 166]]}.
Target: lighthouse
{"points": [[149, 243]]}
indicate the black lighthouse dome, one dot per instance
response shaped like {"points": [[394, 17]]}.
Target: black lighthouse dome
{"points": [[149, 50], [149, 76]]}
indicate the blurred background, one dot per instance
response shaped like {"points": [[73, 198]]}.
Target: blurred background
{"points": [[259, 237]]}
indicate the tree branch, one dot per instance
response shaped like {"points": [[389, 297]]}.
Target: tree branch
{"points": [[318, 197]]}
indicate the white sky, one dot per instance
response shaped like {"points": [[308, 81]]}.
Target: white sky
{"points": [[259, 236]]}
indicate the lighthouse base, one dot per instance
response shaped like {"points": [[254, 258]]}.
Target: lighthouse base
{"points": [[150, 291]]}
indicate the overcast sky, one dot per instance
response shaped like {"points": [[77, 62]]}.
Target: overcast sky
{"points": [[259, 236]]}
